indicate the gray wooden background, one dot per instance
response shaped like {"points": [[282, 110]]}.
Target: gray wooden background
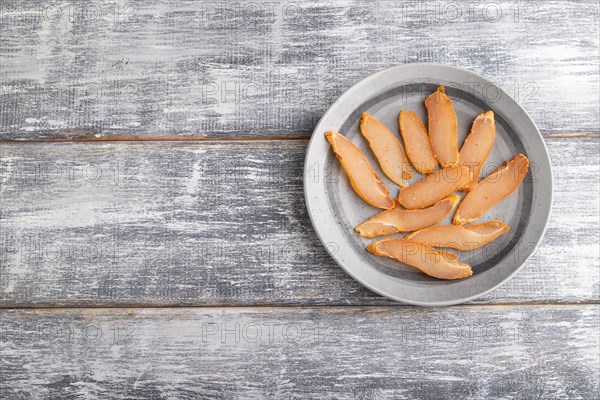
{"points": [[154, 241]]}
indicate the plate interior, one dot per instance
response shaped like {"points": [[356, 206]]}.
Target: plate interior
{"points": [[351, 210]]}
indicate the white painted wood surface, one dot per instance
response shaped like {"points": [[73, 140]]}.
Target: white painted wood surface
{"points": [[500, 352], [222, 223], [214, 69]]}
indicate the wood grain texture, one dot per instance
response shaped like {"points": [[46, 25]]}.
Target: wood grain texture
{"points": [[107, 224], [504, 352], [215, 69]]}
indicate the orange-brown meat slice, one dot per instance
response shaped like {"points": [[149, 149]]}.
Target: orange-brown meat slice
{"points": [[478, 144], [363, 178], [416, 142], [397, 220], [460, 237], [421, 256], [387, 149], [443, 127], [496, 187], [434, 187]]}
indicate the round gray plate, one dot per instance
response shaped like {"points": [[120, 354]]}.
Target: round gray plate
{"points": [[335, 209]]}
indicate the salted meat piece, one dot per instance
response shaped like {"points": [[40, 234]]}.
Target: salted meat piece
{"points": [[399, 220], [478, 144], [460, 237], [363, 178], [416, 142], [493, 189], [387, 149], [421, 256], [434, 187], [442, 127]]}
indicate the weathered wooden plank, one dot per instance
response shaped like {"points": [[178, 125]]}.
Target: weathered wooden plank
{"points": [[225, 224], [215, 69], [504, 352]]}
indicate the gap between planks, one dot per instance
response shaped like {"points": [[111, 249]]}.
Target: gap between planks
{"points": [[295, 307], [568, 135], [165, 139]]}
